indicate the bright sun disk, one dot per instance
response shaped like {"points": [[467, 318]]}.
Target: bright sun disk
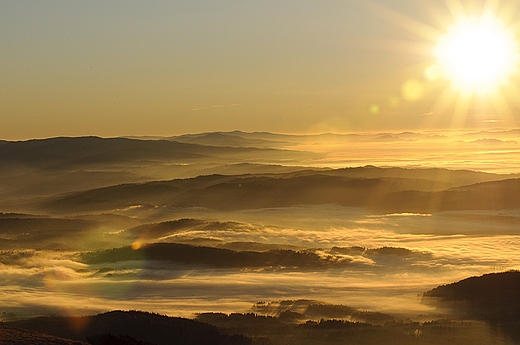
{"points": [[477, 54]]}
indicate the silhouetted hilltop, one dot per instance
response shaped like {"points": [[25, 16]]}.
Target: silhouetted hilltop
{"points": [[249, 137], [494, 296], [43, 232], [495, 195], [81, 150], [141, 326], [254, 168], [155, 230], [76, 151], [137, 328], [225, 139], [28, 232], [211, 257], [315, 310], [387, 194], [290, 329], [188, 256], [18, 336], [66, 164], [256, 162], [444, 178], [495, 188]]}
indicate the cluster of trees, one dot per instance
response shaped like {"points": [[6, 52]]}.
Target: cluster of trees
{"points": [[210, 257], [140, 328], [494, 296], [133, 328]]}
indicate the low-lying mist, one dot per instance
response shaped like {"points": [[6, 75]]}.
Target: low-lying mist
{"points": [[249, 229], [226, 262]]}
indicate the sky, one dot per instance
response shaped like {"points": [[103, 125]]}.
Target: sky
{"points": [[113, 68]]}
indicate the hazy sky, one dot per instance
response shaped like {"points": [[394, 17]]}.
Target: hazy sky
{"points": [[168, 67]]}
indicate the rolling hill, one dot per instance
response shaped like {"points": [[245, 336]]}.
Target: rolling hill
{"points": [[66, 152], [494, 296], [65, 164], [376, 192], [17, 336], [152, 328]]}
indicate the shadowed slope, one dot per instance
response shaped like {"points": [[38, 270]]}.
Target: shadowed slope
{"points": [[303, 188], [49, 166], [211, 257], [17, 336], [148, 327], [225, 139], [491, 296], [65, 152], [189, 256]]}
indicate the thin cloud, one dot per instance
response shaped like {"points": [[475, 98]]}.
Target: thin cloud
{"points": [[215, 106]]}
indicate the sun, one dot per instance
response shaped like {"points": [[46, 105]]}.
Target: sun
{"points": [[477, 54], [469, 75]]}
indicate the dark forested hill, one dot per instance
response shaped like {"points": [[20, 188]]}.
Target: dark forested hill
{"points": [[65, 164], [212, 257], [258, 175], [79, 151], [493, 296], [225, 139], [151, 328], [282, 190], [18, 336]]}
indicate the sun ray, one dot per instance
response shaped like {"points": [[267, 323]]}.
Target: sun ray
{"points": [[441, 105], [416, 27], [461, 110], [508, 11], [511, 96], [477, 53], [479, 56], [473, 56], [491, 6], [502, 107], [455, 8], [399, 46]]}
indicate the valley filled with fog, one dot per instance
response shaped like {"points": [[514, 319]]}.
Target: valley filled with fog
{"points": [[325, 227]]}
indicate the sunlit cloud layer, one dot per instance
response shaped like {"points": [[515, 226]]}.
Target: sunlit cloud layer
{"points": [[491, 151], [44, 282]]}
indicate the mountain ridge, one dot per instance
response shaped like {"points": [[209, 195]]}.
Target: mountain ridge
{"points": [[253, 191]]}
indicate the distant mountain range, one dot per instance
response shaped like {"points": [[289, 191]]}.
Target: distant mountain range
{"points": [[114, 204], [231, 139], [65, 152], [417, 190], [105, 174], [48, 166]]}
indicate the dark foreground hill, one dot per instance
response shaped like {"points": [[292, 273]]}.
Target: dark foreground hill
{"points": [[493, 296], [134, 327], [17, 336]]}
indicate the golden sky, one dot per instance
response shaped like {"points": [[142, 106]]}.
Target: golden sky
{"points": [[130, 67]]}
